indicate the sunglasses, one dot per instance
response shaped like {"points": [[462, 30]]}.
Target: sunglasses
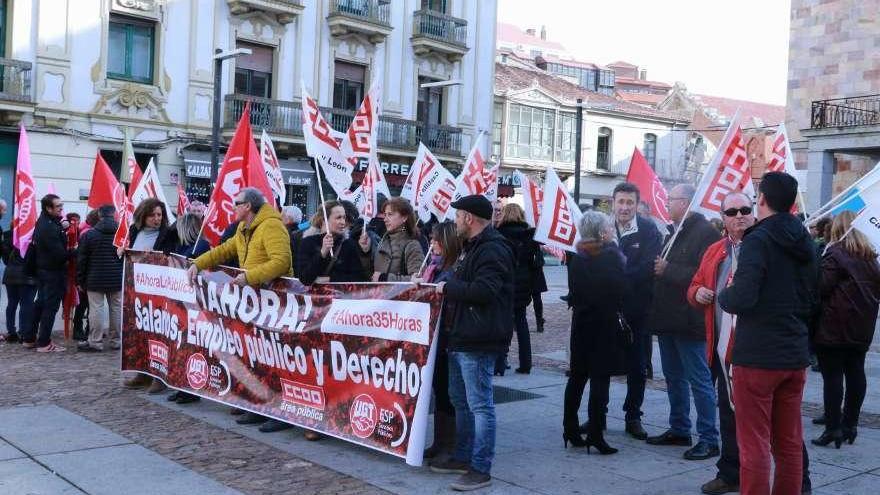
{"points": [[239, 203], [731, 212]]}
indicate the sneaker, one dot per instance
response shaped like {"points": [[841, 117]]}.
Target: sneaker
{"points": [[449, 466], [471, 480], [701, 451], [51, 348], [719, 487]]}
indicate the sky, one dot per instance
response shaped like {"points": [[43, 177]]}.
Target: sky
{"points": [[716, 47]]}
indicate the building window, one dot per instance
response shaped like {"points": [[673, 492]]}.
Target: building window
{"points": [[530, 133], [130, 49], [348, 85], [435, 5], [497, 122], [565, 132], [603, 149], [650, 149], [253, 73], [434, 105]]}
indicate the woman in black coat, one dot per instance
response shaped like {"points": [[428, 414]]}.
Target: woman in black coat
{"points": [[512, 225], [596, 285], [850, 291], [331, 257]]}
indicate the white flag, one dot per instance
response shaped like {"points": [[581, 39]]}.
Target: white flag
{"points": [[868, 220], [491, 178], [427, 178], [728, 171], [150, 187], [533, 198], [560, 216], [272, 167], [321, 145], [360, 138], [471, 180]]}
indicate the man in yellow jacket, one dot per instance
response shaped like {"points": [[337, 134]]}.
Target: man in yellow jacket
{"points": [[261, 243]]}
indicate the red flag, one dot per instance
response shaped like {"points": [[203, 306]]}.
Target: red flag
{"points": [[242, 167], [135, 170], [106, 190], [182, 200], [652, 191]]}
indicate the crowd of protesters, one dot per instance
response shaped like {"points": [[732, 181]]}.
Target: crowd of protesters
{"points": [[788, 295]]}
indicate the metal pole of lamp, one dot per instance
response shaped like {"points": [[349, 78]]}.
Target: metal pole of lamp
{"points": [[579, 121], [219, 57]]}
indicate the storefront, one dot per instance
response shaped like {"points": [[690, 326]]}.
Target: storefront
{"points": [[396, 170]]}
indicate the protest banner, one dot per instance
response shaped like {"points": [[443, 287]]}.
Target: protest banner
{"points": [[353, 361]]}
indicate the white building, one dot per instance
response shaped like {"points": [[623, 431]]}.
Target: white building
{"points": [[535, 115], [77, 73]]}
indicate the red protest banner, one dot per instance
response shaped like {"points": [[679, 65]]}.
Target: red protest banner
{"points": [[353, 361]]}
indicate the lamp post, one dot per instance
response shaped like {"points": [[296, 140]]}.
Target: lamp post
{"points": [[578, 123], [427, 98], [219, 57]]}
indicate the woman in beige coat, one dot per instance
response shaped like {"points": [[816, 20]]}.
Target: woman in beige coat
{"points": [[399, 254]]}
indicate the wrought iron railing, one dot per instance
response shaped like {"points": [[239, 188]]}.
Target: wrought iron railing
{"points": [[846, 112], [377, 11], [285, 117], [15, 80], [440, 27]]}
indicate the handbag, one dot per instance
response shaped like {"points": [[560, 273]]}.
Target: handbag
{"points": [[625, 331]]}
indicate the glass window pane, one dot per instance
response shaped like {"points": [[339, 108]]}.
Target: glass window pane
{"points": [[116, 49], [514, 114], [142, 53], [241, 82], [261, 84]]}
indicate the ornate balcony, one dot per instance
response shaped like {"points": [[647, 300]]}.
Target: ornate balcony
{"points": [[366, 17], [284, 118], [16, 93], [846, 112], [284, 10], [438, 33]]}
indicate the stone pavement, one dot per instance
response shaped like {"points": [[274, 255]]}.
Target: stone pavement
{"points": [[105, 439]]}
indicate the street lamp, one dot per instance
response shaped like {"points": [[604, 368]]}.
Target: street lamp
{"points": [[219, 57], [427, 96], [578, 123]]}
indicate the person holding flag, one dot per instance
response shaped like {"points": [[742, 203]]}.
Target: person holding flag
{"points": [[399, 254], [715, 272], [681, 330], [774, 295]]}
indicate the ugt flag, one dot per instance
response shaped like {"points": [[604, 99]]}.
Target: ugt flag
{"points": [[533, 198], [323, 147], [24, 216]]}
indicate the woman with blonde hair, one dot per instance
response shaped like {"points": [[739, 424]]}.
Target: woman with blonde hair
{"points": [[850, 293], [512, 225]]}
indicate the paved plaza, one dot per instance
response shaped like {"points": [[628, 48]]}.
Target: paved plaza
{"points": [[67, 426]]}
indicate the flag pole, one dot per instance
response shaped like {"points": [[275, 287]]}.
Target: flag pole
{"points": [[323, 202], [424, 262]]}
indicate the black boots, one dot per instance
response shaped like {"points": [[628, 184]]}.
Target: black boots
{"points": [[444, 435]]}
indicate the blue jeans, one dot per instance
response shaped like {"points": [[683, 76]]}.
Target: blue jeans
{"points": [[684, 365], [19, 297], [470, 389]]}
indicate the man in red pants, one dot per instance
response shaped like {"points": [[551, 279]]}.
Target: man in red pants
{"points": [[773, 295]]}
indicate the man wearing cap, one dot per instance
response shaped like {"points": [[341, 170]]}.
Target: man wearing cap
{"points": [[480, 293]]}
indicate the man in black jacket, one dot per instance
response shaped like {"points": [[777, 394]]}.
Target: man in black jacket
{"points": [[50, 244], [773, 295], [640, 242], [681, 332], [481, 292], [99, 273]]}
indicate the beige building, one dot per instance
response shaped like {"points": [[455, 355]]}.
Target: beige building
{"points": [[833, 107]]}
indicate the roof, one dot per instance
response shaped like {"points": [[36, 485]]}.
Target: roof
{"points": [[641, 98], [765, 113], [515, 34], [641, 82], [570, 62], [508, 78], [621, 63]]}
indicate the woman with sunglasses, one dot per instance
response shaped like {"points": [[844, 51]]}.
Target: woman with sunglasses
{"points": [[445, 249]]}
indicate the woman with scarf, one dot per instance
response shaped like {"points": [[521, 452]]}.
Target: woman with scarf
{"points": [[399, 254]]}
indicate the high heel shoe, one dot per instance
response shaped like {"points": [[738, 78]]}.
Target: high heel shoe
{"points": [[827, 437], [850, 434], [575, 438], [601, 445]]}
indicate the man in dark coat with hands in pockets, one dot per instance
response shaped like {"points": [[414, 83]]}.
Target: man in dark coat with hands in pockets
{"points": [[482, 291]]}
